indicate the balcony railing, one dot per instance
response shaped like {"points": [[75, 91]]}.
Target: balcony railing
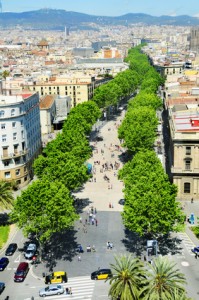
{"points": [[14, 155]]}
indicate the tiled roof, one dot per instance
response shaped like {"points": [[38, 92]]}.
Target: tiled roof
{"points": [[46, 102]]}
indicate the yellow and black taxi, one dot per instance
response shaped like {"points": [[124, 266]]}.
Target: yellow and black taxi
{"points": [[101, 274], [56, 277]]}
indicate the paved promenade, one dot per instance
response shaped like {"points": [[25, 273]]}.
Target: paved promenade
{"points": [[105, 190]]}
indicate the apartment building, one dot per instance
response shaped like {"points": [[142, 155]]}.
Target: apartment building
{"points": [[20, 136], [184, 149], [79, 89]]}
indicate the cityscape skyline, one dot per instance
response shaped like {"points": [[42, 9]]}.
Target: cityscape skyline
{"points": [[110, 8]]}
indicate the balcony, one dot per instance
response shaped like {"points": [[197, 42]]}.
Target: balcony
{"points": [[14, 155]]}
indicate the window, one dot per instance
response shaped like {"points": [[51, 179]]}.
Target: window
{"points": [[17, 172], [25, 169], [6, 163], [4, 138], [2, 113], [20, 110], [14, 136], [12, 112], [3, 126], [25, 178], [187, 164], [13, 124], [7, 175], [188, 150], [22, 134], [21, 122], [187, 188], [18, 181]]}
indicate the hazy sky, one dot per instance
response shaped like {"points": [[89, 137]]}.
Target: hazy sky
{"points": [[109, 7]]}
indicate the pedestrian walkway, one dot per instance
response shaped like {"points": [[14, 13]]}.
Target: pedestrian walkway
{"points": [[82, 288], [105, 190]]}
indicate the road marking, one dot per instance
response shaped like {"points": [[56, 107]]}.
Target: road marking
{"points": [[17, 260], [187, 242], [82, 288]]}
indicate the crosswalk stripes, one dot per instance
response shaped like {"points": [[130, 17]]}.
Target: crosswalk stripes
{"points": [[82, 289], [187, 242]]}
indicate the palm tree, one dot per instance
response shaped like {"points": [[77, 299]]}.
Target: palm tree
{"points": [[127, 279], [6, 197], [180, 296], [164, 280]]}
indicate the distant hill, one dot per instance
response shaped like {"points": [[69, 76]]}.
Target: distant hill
{"points": [[57, 19]]}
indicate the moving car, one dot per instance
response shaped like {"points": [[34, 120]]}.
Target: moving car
{"points": [[11, 249], [30, 251], [101, 274], [56, 277], [2, 287], [4, 261], [52, 289], [21, 272], [195, 250]]}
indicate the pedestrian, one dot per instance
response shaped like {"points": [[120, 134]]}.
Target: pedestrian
{"points": [[80, 219], [111, 246], [93, 221], [196, 255], [67, 291], [94, 179], [95, 211], [108, 245], [191, 200], [112, 206], [96, 222], [79, 258], [70, 291]]}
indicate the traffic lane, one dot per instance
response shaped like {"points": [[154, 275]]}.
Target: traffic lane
{"points": [[188, 265], [23, 290]]}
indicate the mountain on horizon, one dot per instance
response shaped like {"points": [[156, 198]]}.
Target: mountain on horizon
{"points": [[57, 18]]}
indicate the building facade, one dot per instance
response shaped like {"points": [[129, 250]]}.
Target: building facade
{"points": [[184, 150], [20, 136]]}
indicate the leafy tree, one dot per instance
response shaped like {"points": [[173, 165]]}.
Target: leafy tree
{"points": [[138, 129], [150, 206], [6, 196], [164, 281], [145, 99], [44, 208], [128, 277]]}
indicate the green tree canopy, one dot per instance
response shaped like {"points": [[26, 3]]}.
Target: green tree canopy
{"points": [[164, 281], [128, 277], [6, 194], [138, 129], [150, 205], [44, 208], [145, 99]]}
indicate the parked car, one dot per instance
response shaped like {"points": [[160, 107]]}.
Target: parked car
{"points": [[52, 289], [2, 287], [30, 251], [11, 249], [56, 277], [4, 261], [101, 274], [21, 272]]}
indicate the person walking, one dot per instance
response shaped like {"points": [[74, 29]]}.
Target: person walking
{"points": [[96, 222], [70, 291]]}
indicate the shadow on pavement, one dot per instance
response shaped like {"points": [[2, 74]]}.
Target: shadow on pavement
{"points": [[62, 246], [137, 245]]}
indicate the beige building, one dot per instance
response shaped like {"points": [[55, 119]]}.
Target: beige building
{"points": [[184, 149], [79, 89]]}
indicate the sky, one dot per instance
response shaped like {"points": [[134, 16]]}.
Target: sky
{"points": [[108, 7]]}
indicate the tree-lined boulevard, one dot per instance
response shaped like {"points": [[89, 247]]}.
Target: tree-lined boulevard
{"points": [[125, 162]]}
